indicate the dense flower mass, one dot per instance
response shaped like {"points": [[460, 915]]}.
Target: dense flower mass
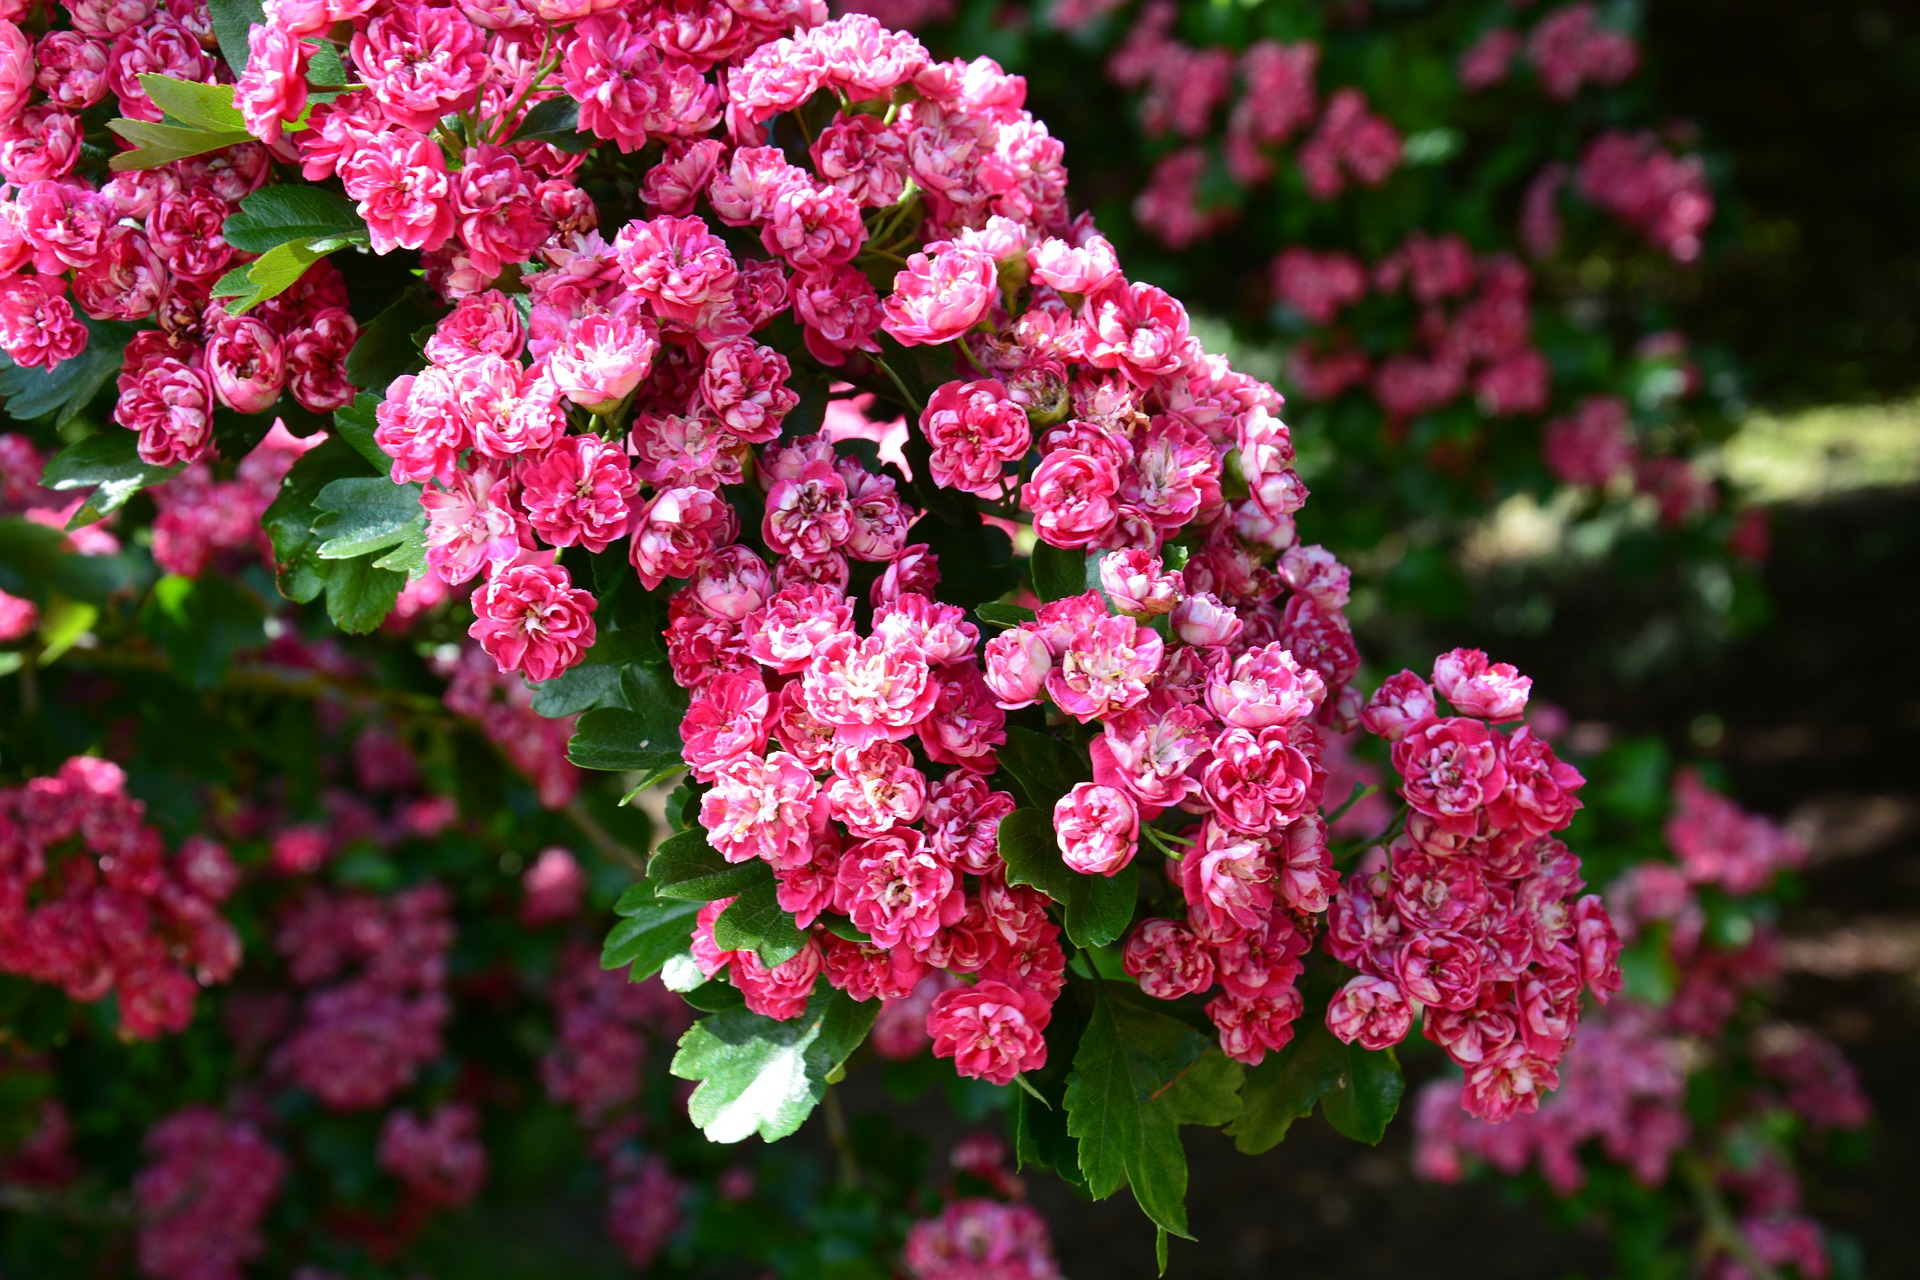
{"points": [[1623, 1098], [92, 902]]}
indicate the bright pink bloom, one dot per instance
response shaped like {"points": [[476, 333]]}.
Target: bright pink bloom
{"points": [[676, 532], [578, 493], [683, 271], [530, 617], [1257, 784], [991, 1031], [936, 299], [744, 385], [896, 891], [868, 689], [603, 358], [1370, 1011], [762, 808], [472, 523], [400, 182], [1265, 687], [1495, 691], [1097, 828], [974, 430]]}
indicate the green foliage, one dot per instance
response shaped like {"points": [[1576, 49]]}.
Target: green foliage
{"points": [[756, 1075], [108, 462], [62, 393], [1098, 908], [1358, 1090], [650, 933], [1138, 1075]]}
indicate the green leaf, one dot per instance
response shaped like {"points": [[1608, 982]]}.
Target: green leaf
{"points": [[617, 739], [201, 623], [62, 392], [652, 933], [108, 462], [158, 143], [199, 106], [1004, 615], [324, 68], [1285, 1087], [686, 868], [271, 274], [1137, 1077], [38, 563], [284, 212], [755, 922], [1058, 572], [760, 1076], [386, 348], [289, 519], [556, 122], [1098, 908], [1045, 767], [232, 19], [360, 595], [1363, 1103], [360, 515], [355, 424]]}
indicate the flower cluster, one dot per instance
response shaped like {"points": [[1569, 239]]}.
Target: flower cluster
{"points": [[91, 901], [208, 1183], [1624, 1091], [1470, 915], [375, 1004], [439, 1159], [981, 1236], [1474, 327]]}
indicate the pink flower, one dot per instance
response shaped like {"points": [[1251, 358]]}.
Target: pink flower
{"points": [[962, 821], [811, 227], [1097, 828], [991, 1031], [18, 617], [1083, 268], [1591, 445], [1200, 619], [555, 886], [1073, 498], [603, 358], [316, 360], [936, 299], [1494, 692], [840, 310], [421, 63], [974, 429], [1251, 1027], [245, 364], [1168, 959], [1539, 797], [1017, 665], [530, 617], [1258, 784], [170, 403], [472, 523], [1489, 59], [1265, 687], [272, 91], [1138, 329], [896, 891], [1401, 702], [875, 788], [683, 271], [1440, 968], [1151, 755], [419, 426], [578, 493], [864, 158], [37, 326], [1318, 284], [868, 689], [1104, 668], [676, 531], [1451, 770], [781, 992], [1135, 582], [1227, 880], [744, 385], [1371, 1011], [763, 808], [727, 718], [399, 179], [784, 632]]}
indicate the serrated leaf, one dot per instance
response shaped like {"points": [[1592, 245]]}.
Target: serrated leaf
{"points": [[1368, 1094], [283, 212], [1058, 572], [199, 106], [361, 515], [108, 462], [324, 68], [1285, 1087], [685, 867], [268, 276], [386, 348], [60, 393], [555, 122], [158, 143], [289, 520], [355, 424], [1138, 1075], [360, 596], [619, 739], [1004, 615], [754, 922], [232, 19], [1098, 909], [1045, 767], [756, 1075], [647, 937]]}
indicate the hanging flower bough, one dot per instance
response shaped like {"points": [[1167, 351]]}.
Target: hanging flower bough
{"points": [[791, 428]]}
